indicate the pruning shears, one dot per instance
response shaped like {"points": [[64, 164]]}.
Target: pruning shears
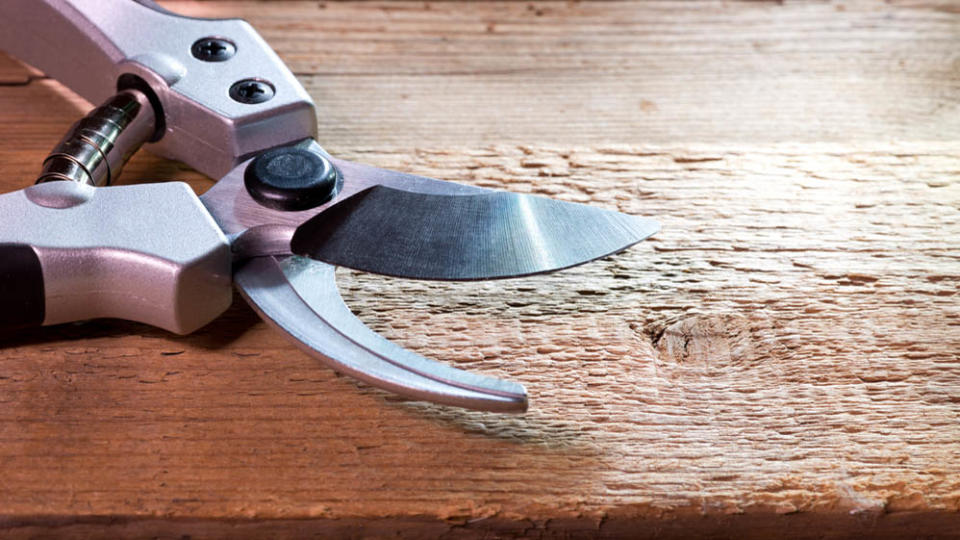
{"points": [[284, 214]]}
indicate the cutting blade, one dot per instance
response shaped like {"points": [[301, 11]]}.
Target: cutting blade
{"points": [[405, 225], [474, 236]]}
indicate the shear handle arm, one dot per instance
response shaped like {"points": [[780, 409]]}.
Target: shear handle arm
{"points": [[148, 253], [94, 46]]}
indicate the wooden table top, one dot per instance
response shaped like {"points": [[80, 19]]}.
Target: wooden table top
{"points": [[782, 359]]}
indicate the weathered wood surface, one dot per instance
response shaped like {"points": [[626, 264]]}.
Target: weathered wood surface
{"points": [[783, 359]]}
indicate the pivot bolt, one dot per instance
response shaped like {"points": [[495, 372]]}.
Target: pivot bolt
{"points": [[291, 179], [252, 91], [211, 49]]}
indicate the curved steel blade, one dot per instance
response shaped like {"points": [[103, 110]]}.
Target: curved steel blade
{"points": [[487, 235], [300, 298], [543, 234]]}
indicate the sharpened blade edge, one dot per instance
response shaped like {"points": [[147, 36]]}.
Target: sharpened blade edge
{"points": [[490, 235]]}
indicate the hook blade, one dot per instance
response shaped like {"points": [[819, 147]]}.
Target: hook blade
{"points": [[300, 297]]}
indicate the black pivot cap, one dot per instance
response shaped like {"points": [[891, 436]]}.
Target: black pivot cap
{"points": [[291, 179]]}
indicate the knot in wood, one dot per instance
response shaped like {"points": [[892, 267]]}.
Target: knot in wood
{"points": [[710, 341]]}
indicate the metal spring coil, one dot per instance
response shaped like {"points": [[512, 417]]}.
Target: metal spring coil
{"points": [[98, 146]]}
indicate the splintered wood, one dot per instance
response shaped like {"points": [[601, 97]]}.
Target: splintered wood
{"points": [[783, 357]]}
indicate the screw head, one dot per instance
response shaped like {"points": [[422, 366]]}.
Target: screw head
{"points": [[252, 91], [211, 49]]}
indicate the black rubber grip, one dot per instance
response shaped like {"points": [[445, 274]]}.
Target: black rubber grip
{"points": [[22, 302]]}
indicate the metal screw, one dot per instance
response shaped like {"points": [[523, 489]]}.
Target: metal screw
{"points": [[252, 91], [210, 49]]}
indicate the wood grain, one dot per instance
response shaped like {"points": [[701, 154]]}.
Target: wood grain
{"points": [[783, 359]]}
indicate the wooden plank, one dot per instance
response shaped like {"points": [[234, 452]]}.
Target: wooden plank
{"points": [[13, 72], [400, 74], [784, 357]]}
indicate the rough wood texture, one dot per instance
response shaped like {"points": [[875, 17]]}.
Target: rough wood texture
{"points": [[782, 360]]}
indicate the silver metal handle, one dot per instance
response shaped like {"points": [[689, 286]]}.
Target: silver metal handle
{"points": [[215, 110], [149, 253]]}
